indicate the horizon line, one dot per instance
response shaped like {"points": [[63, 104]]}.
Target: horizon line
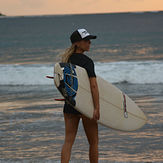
{"points": [[69, 14]]}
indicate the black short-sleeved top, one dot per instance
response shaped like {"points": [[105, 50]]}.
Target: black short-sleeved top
{"points": [[83, 61]]}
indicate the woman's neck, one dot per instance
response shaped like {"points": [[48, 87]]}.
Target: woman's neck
{"points": [[79, 51]]}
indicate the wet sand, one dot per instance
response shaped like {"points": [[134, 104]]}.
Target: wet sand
{"points": [[32, 130]]}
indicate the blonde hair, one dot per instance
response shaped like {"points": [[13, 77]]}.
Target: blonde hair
{"points": [[68, 53]]}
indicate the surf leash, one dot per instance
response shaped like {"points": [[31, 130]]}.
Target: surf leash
{"points": [[50, 77]]}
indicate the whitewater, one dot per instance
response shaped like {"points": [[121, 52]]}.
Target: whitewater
{"points": [[134, 72]]}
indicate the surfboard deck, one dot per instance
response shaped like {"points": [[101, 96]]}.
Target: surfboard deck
{"points": [[117, 110]]}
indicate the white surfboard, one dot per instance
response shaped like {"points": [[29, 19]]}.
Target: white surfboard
{"points": [[117, 110]]}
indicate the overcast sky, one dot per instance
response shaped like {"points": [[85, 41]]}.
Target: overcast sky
{"points": [[46, 7]]}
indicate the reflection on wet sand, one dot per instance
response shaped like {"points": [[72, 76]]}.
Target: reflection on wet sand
{"points": [[33, 129]]}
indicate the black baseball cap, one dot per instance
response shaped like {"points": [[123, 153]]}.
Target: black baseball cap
{"points": [[81, 34]]}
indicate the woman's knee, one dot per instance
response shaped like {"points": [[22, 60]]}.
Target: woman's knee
{"points": [[93, 139], [68, 144], [69, 140], [93, 142]]}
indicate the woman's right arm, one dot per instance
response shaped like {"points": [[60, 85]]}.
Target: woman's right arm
{"points": [[95, 96]]}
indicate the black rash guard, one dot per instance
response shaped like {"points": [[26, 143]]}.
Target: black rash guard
{"points": [[83, 61]]}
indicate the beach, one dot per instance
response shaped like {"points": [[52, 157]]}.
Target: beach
{"points": [[32, 129], [128, 53]]}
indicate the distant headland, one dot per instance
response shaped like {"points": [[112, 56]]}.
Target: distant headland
{"points": [[2, 14]]}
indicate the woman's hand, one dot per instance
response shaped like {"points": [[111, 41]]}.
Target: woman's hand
{"points": [[96, 114]]}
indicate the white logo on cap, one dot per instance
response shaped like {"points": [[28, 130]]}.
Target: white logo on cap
{"points": [[83, 33]]}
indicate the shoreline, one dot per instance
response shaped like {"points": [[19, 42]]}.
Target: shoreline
{"points": [[95, 60]]}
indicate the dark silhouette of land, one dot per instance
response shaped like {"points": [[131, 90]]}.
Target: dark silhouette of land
{"points": [[2, 14]]}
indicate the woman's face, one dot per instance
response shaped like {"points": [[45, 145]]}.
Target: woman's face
{"points": [[84, 45]]}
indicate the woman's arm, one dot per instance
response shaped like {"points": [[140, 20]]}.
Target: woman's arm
{"points": [[95, 96]]}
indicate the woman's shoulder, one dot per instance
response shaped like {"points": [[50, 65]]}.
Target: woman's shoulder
{"points": [[83, 61], [81, 56]]}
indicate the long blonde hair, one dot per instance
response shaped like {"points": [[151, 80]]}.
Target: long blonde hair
{"points": [[68, 53]]}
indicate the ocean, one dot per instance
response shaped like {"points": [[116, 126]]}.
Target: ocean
{"points": [[128, 52]]}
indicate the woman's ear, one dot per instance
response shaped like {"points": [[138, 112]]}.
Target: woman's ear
{"points": [[77, 44]]}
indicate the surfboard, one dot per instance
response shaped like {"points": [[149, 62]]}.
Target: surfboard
{"points": [[117, 110]]}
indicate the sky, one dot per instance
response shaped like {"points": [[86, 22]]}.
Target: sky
{"points": [[53, 7]]}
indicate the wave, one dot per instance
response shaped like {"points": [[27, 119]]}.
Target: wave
{"points": [[139, 72]]}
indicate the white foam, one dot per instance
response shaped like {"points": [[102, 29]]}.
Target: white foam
{"points": [[32, 74], [140, 72]]}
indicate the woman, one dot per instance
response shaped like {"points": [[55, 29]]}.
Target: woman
{"points": [[80, 40]]}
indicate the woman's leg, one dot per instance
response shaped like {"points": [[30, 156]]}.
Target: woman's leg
{"points": [[91, 130], [71, 127]]}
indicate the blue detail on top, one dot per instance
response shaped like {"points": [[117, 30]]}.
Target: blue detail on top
{"points": [[70, 80]]}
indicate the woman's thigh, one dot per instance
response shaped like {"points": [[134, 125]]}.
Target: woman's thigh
{"points": [[91, 129], [71, 126]]}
